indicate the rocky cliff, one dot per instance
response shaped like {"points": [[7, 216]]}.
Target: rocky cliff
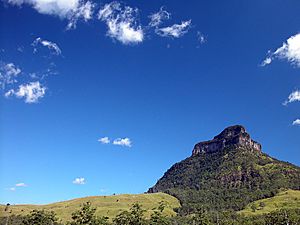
{"points": [[231, 136]]}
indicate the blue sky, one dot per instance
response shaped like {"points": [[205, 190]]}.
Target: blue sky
{"points": [[103, 97]]}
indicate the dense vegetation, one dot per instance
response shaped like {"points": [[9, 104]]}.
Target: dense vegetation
{"points": [[227, 180], [135, 216]]}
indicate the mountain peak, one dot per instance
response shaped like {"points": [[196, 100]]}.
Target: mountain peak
{"points": [[231, 132], [227, 173], [231, 136]]}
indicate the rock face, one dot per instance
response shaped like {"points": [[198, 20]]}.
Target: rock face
{"points": [[231, 136]]}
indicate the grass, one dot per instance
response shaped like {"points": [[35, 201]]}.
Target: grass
{"points": [[106, 205], [284, 199]]}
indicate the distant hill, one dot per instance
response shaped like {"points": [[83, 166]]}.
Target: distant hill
{"points": [[227, 173], [289, 199], [106, 205]]}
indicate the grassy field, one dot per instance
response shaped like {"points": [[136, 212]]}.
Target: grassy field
{"points": [[284, 199], [106, 205]]}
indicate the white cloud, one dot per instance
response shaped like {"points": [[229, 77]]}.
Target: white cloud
{"points": [[176, 30], [104, 140], [200, 37], [85, 11], [11, 69], [157, 18], [65, 9], [32, 92], [296, 122], [9, 93], [290, 50], [293, 97], [122, 23], [21, 185], [266, 61], [123, 142], [79, 180], [8, 74], [18, 185], [53, 47]]}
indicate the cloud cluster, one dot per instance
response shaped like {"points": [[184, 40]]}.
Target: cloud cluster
{"points": [[18, 185], [123, 142], [8, 74], [27, 85], [290, 51], [157, 18], [72, 10], [79, 180], [122, 23], [175, 31], [296, 122], [293, 97], [126, 142], [84, 11], [31, 92], [104, 140], [53, 47], [21, 185]]}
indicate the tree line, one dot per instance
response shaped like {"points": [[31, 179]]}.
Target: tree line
{"points": [[136, 216]]}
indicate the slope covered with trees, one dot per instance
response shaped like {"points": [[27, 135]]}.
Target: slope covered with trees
{"points": [[228, 177]]}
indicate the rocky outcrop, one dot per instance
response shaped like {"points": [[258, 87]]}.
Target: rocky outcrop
{"points": [[231, 136]]}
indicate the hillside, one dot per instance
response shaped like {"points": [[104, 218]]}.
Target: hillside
{"points": [[283, 200], [106, 205], [226, 173]]}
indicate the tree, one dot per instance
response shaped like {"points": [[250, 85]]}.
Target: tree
{"points": [[253, 207], [86, 215], [104, 220], [137, 214], [227, 218], [41, 217], [284, 217], [134, 217], [124, 218], [6, 207], [200, 218], [12, 220], [157, 217], [262, 204]]}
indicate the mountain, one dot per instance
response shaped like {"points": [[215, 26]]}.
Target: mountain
{"points": [[227, 173]]}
